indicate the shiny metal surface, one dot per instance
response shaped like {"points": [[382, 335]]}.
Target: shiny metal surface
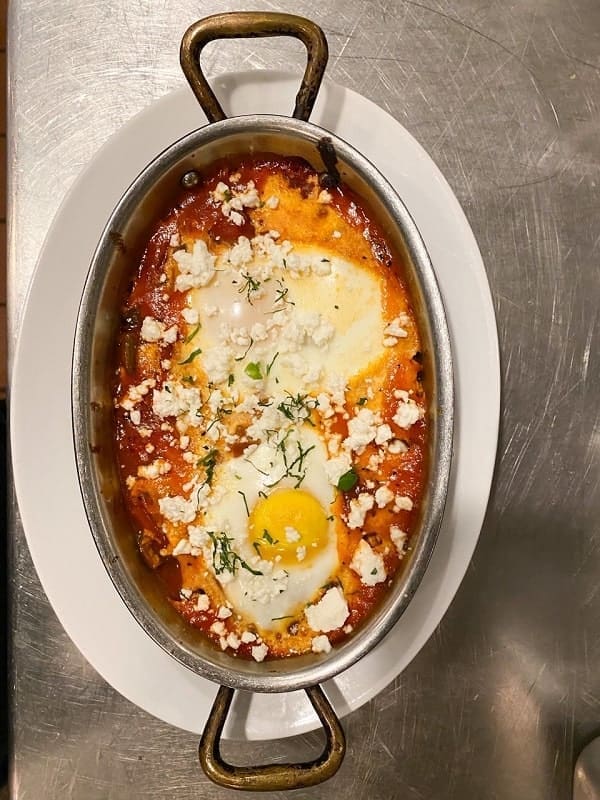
{"points": [[92, 401], [506, 97]]}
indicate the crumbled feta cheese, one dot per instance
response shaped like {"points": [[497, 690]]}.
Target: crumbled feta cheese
{"points": [[152, 330], [324, 197], [291, 534], [153, 470], [175, 240], [398, 537], [198, 536], [397, 446], [407, 413], [362, 429], [190, 315], [368, 564], [336, 467], [233, 641], [182, 548], [390, 341], [166, 363], [301, 553], [202, 603], [248, 636], [384, 434], [135, 416], [329, 613], [136, 393], [241, 252], [395, 329], [175, 400], [320, 644], [336, 235], [383, 496], [403, 503], [321, 267], [259, 652], [218, 628], [178, 509], [272, 202], [149, 448], [359, 508], [196, 268], [224, 612]]}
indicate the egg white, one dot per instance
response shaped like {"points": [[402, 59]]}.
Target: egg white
{"points": [[240, 480]]}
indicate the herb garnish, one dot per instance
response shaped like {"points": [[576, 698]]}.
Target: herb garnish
{"points": [[361, 401], [230, 380], [251, 285], [270, 366], [268, 538], [224, 558], [298, 408], [241, 358], [209, 462], [348, 480], [192, 334], [253, 370], [293, 469], [191, 357], [245, 502], [289, 616], [281, 296]]}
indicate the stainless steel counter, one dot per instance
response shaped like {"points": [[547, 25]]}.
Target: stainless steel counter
{"points": [[505, 97]]}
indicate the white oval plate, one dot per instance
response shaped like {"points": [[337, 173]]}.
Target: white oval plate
{"points": [[54, 520]]}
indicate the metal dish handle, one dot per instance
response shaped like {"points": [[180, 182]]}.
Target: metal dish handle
{"points": [[271, 777], [245, 24]]}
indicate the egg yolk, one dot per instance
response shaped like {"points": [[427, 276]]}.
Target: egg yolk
{"points": [[289, 523]]}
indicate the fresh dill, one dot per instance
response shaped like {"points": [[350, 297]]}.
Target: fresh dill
{"points": [[209, 462], [224, 557], [251, 285], [191, 357], [298, 408], [189, 338], [270, 366], [245, 502], [241, 358]]}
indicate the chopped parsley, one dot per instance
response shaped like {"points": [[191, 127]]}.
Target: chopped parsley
{"points": [[209, 462], [191, 357], [224, 558], [192, 334], [348, 480], [253, 370]]}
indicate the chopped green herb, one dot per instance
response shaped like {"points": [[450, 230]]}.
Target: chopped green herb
{"points": [[252, 370], [167, 388], [209, 462], [245, 502], [374, 571], [298, 408], [192, 334], [348, 480], [337, 308], [251, 285], [270, 366], [241, 358], [361, 401], [256, 546], [281, 296], [191, 357], [268, 538], [330, 519], [224, 558], [189, 379], [230, 380], [274, 619], [227, 195]]}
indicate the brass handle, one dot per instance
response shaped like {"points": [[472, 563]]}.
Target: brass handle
{"points": [[271, 777], [245, 24]]}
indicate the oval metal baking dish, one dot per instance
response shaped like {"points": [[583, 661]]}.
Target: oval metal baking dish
{"points": [[92, 381]]}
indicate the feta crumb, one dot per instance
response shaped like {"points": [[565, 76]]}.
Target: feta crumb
{"points": [[152, 330], [324, 197], [224, 612], [185, 593], [407, 413], [135, 416], [362, 429], [202, 603], [383, 496], [248, 636], [384, 434], [218, 628], [390, 341], [336, 235], [368, 564], [177, 509], [329, 613], [272, 202], [301, 553], [175, 240], [196, 268], [348, 629], [190, 315], [233, 641], [395, 329], [153, 470], [398, 537], [259, 652], [403, 503], [359, 508], [182, 548], [397, 446], [291, 534], [336, 467], [321, 644]]}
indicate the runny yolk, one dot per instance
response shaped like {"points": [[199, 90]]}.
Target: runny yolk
{"points": [[289, 523]]}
